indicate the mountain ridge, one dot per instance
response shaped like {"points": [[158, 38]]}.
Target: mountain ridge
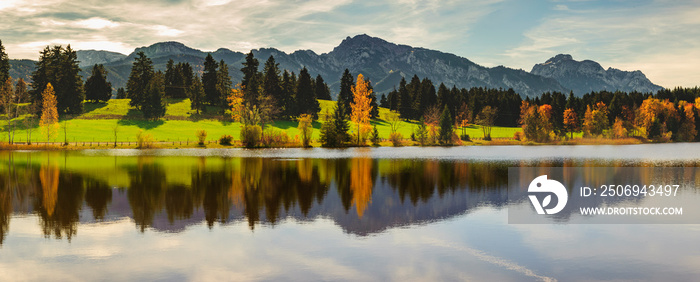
{"points": [[385, 63]]}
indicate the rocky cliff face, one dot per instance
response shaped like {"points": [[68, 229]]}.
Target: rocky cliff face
{"points": [[587, 76]]}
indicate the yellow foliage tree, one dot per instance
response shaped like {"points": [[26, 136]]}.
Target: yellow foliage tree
{"points": [[235, 101], [361, 105], [49, 112], [570, 121], [306, 129]]}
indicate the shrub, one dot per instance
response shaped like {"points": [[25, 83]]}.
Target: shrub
{"points": [[395, 139], [374, 137], [144, 141], [250, 135], [518, 135], [487, 138], [201, 136], [225, 139], [465, 137], [275, 138]]}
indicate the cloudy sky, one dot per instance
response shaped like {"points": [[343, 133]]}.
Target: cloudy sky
{"points": [[661, 38]]}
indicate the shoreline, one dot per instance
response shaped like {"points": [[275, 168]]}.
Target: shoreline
{"points": [[77, 146]]}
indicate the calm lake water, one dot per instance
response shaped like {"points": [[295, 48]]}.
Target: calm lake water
{"points": [[316, 214]]}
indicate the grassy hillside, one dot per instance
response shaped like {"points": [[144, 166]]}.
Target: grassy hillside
{"points": [[180, 123]]}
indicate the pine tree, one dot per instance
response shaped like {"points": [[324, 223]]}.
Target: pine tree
{"points": [[139, 79], [383, 102], [404, 100], [374, 107], [4, 64], [305, 98], [69, 89], [97, 88], [345, 95], [271, 81], [196, 94], [223, 84], [445, 136], [170, 78], [322, 90], [328, 136], [340, 126], [250, 81], [286, 101], [209, 80], [121, 94], [154, 100]]}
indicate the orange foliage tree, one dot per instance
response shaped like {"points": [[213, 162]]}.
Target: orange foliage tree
{"points": [[595, 121], [361, 105], [570, 121], [235, 101], [654, 115], [49, 112]]}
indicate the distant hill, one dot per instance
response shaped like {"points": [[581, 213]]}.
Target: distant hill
{"points": [[587, 76], [384, 63]]}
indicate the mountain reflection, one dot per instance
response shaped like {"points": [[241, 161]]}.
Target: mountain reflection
{"points": [[362, 195]]}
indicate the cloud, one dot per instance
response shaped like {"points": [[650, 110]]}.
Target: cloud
{"points": [[659, 39]]}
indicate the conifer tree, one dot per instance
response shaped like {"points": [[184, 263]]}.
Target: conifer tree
{"points": [[97, 88], [121, 93], [322, 90], [4, 64], [154, 101], [305, 98], [139, 79], [287, 97], [445, 136], [345, 96], [196, 94], [250, 82], [209, 80], [69, 88], [223, 84]]}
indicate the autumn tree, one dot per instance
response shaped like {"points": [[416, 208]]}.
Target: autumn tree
{"points": [[305, 129], [7, 99], [49, 113], [618, 128], [361, 106], [595, 121], [687, 131], [462, 119], [97, 88], [570, 121], [236, 103], [656, 116], [486, 119], [431, 118]]}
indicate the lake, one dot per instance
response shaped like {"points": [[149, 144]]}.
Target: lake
{"points": [[319, 214]]}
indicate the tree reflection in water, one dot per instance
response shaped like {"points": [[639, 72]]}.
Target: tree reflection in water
{"points": [[167, 192]]}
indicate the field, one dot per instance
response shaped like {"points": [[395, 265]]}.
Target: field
{"points": [[99, 120]]}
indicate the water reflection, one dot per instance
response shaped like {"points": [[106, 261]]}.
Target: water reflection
{"points": [[362, 195]]}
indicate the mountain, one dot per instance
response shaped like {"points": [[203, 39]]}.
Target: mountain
{"points": [[384, 63], [88, 58], [587, 76]]}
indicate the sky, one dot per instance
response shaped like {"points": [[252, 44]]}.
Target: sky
{"points": [[659, 37]]}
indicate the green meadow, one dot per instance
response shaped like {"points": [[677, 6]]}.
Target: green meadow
{"points": [[98, 121]]}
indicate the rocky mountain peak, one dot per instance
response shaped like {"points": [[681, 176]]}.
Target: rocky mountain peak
{"points": [[587, 76]]}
